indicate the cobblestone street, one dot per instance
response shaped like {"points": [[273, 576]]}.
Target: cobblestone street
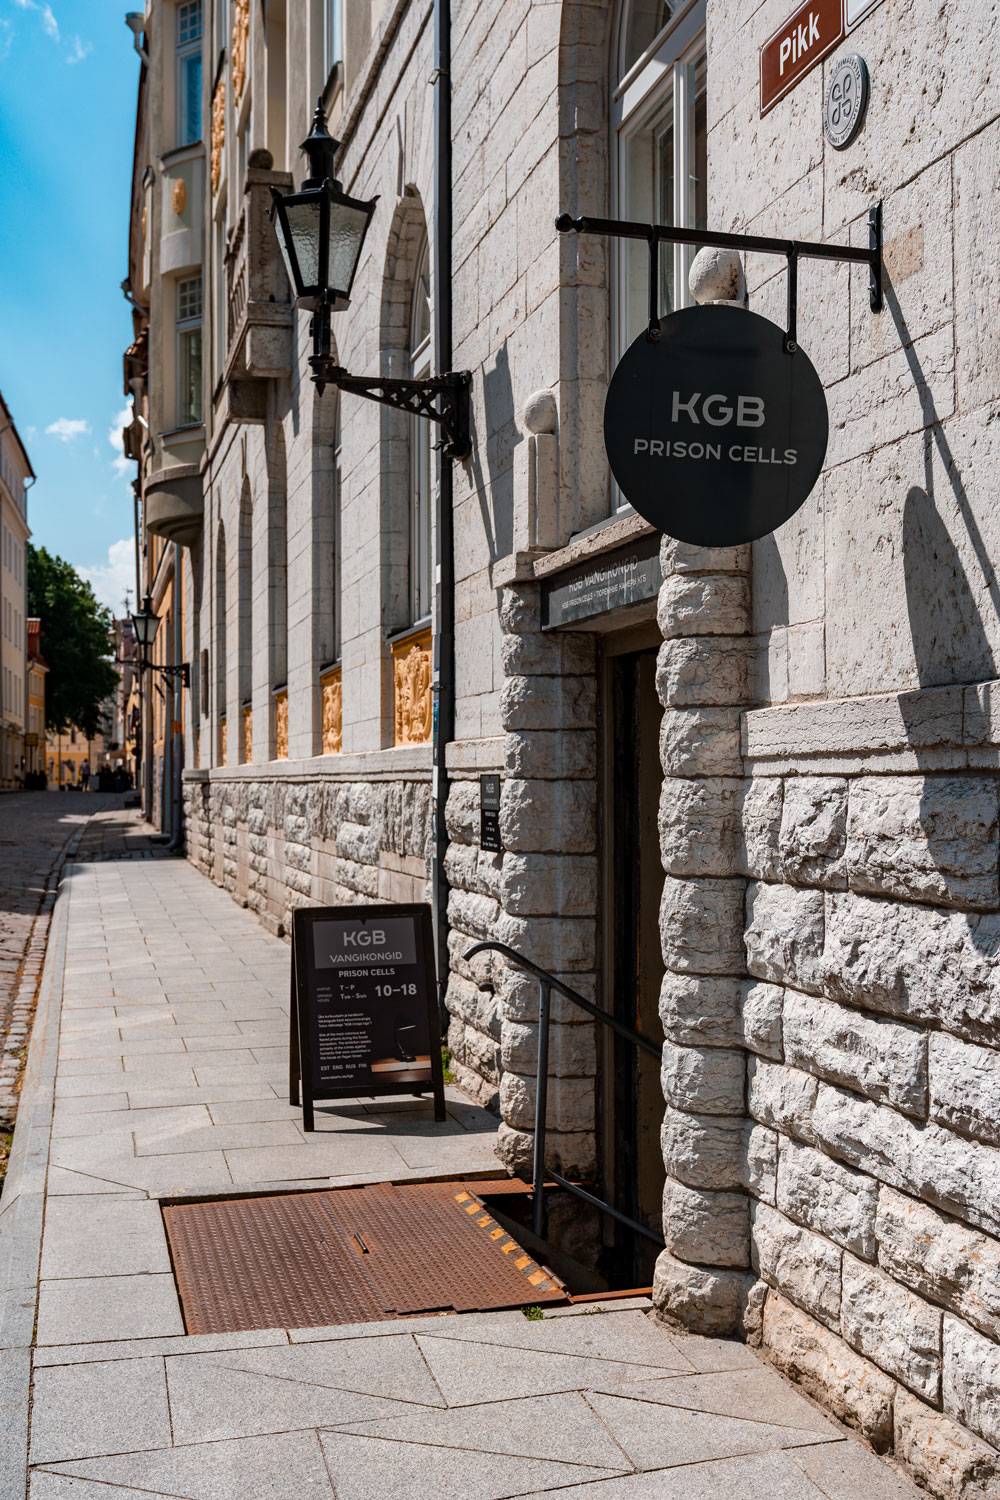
{"points": [[37, 830]]}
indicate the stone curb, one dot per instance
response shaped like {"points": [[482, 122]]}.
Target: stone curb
{"points": [[22, 1205]]}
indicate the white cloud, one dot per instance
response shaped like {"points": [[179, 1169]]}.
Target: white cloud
{"points": [[80, 50], [67, 428], [49, 23], [6, 37], [111, 580], [122, 465]]}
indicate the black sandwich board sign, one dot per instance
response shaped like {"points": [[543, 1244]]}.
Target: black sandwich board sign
{"points": [[715, 434], [364, 1017]]}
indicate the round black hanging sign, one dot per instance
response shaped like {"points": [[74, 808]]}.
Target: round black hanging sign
{"points": [[714, 433]]}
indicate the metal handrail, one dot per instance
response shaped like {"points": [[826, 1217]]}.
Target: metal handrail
{"points": [[546, 984]]}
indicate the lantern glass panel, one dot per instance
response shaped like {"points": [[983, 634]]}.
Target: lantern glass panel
{"points": [[304, 230], [347, 231], [145, 624]]}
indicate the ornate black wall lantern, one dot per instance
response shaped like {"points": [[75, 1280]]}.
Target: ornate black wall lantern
{"points": [[321, 231], [145, 623]]}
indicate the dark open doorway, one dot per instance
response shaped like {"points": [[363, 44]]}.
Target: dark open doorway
{"points": [[632, 1098]]}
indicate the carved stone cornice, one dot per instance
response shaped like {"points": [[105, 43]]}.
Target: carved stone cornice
{"points": [[412, 701]]}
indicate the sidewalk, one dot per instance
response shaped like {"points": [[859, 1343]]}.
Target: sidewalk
{"points": [[158, 1069]]}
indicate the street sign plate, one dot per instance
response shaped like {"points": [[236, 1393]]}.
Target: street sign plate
{"points": [[797, 46], [715, 434]]}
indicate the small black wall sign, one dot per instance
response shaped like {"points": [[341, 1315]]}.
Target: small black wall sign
{"points": [[714, 433], [489, 814], [364, 1016], [610, 581]]}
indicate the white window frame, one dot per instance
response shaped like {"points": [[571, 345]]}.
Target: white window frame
{"points": [[186, 49], [185, 326], [635, 99]]}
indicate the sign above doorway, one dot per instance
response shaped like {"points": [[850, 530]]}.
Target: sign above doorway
{"points": [[595, 587], [715, 434]]}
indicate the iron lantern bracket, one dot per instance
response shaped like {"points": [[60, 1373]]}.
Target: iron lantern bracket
{"points": [[179, 669], [443, 398], [792, 250]]}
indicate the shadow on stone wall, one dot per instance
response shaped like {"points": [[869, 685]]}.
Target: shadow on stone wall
{"points": [[496, 496]]}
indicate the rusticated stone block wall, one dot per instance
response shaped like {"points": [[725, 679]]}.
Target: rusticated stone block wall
{"points": [[286, 841], [704, 615], [871, 1019]]}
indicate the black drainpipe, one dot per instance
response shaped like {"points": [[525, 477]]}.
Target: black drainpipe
{"points": [[444, 593]]}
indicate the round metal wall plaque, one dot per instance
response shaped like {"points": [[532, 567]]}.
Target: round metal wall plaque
{"points": [[715, 435], [846, 100]]}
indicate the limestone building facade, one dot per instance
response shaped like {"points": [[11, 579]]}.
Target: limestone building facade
{"points": [[749, 797], [16, 476]]}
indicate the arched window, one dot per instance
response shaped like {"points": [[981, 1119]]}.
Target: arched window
{"points": [[659, 148], [421, 500]]}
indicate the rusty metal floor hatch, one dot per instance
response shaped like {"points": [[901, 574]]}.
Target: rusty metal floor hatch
{"points": [[347, 1255]]}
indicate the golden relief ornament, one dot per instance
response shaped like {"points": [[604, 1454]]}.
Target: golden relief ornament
{"points": [[411, 690], [333, 712], [179, 196], [218, 131], [241, 32], [281, 726], [224, 740], [247, 726]]}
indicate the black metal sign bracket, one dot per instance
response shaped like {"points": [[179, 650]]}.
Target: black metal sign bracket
{"points": [[792, 250], [443, 398]]}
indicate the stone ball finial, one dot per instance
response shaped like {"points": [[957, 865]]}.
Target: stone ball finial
{"points": [[261, 158], [540, 412], [716, 276]]}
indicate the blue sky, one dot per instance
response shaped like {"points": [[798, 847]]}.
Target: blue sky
{"points": [[68, 79]]}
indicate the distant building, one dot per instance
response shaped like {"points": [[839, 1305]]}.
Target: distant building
{"points": [[15, 474], [34, 736]]}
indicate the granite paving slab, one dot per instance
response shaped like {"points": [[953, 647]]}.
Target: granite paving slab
{"points": [[290, 1466], [82, 1411], [371, 1367], [211, 1400], [658, 1437], [107, 1307], [405, 1470], [103, 1237], [504, 1372], [561, 1427]]}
